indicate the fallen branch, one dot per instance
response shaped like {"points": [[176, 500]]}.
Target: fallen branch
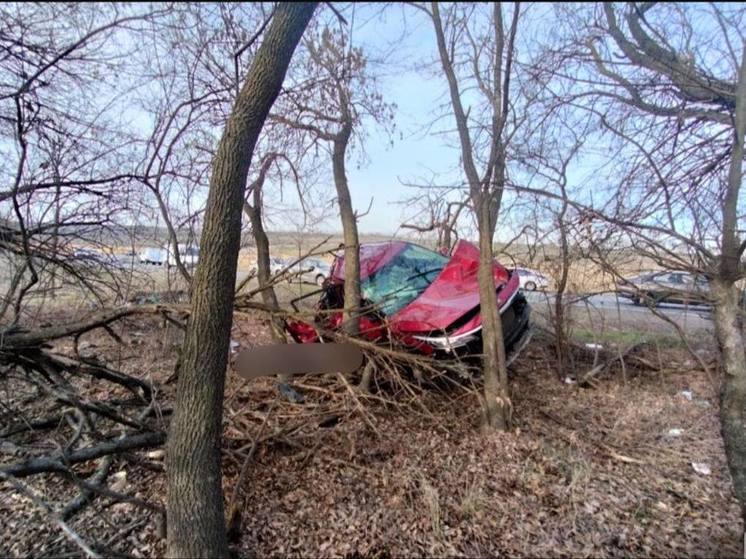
{"points": [[87, 494], [59, 462], [37, 337]]}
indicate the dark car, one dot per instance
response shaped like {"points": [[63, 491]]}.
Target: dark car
{"points": [[424, 300], [666, 287]]}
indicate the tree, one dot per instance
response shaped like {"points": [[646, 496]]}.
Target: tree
{"points": [[332, 110], [196, 521], [670, 96], [67, 177], [489, 58], [442, 216]]}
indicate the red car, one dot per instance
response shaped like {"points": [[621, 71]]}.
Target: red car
{"points": [[422, 299]]}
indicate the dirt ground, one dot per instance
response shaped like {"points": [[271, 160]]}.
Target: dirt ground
{"points": [[407, 472]]}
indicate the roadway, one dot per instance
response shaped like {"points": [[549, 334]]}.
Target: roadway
{"points": [[608, 310]]}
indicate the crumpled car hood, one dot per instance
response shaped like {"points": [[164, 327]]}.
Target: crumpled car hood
{"points": [[453, 294]]}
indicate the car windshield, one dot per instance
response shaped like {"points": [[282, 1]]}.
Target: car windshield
{"points": [[403, 279]]}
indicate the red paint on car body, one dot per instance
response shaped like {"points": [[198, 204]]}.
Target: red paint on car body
{"points": [[453, 293], [452, 296]]}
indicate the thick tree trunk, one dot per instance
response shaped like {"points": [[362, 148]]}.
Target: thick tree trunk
{"points": [[498, 408], [349, 229], [733, 390], [196, 521], [727, 298]]}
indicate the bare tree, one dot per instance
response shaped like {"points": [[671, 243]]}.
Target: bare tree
{"points": [[670, 98], [442, 215], [196, 521], [489, 59], [342, 95]]}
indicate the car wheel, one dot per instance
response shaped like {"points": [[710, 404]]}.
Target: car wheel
{"points": [[530, 286], [320, 280]]}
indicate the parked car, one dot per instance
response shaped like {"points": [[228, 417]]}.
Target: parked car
{"points": [[665, 287], [188, 254], [531, 280], [424, 300], [276, 265], [95, 257], [152, 255], [313, 270], [86, 254], [310, 270]]}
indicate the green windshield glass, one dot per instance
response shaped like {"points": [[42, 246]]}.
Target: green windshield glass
{"points": [[403, 279]]}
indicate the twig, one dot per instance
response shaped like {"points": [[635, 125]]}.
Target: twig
{"points": [[234, 514], [69, 532], [359, 405], [87, 494]]}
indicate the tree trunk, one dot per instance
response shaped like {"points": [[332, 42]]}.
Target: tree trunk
{"points": [[196, 521], [727, 299], [498, 408], [733, 390], [263, 273], [349, 229], [560, 320]]}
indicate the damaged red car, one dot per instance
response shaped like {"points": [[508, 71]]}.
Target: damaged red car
{"points": [[420, 298]]}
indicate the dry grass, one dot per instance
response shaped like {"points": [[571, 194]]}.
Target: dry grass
{"points": [[585, 275]]}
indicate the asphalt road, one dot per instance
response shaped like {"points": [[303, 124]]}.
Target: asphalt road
{"points": [[608, 310]]}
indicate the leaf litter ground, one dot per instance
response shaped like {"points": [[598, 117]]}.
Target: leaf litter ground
{"points": [[586, 472]]}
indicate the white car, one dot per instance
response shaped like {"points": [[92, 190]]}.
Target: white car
{"points": [[276, 265], [310, 270], [316, 271], [189, 255], [150, 255], [531, 280]]}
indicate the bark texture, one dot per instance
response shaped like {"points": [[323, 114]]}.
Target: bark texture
{"points": [[349, 224], [727, 298], [498, 408], [733, 391], [196, 521]]}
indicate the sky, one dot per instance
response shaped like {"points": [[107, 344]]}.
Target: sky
{"points": [[405, 38], [415, 153]]}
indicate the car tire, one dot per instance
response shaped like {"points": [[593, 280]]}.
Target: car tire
{"points": [[530, 286], [320, 280]]}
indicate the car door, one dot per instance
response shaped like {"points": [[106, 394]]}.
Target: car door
{"points": [[677, 289], [700, 291]]}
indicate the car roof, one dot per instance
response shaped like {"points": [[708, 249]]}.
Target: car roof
{"points": [[373, 256]]}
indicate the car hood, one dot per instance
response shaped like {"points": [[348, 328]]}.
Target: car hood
{"points": [[453, 294]]}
